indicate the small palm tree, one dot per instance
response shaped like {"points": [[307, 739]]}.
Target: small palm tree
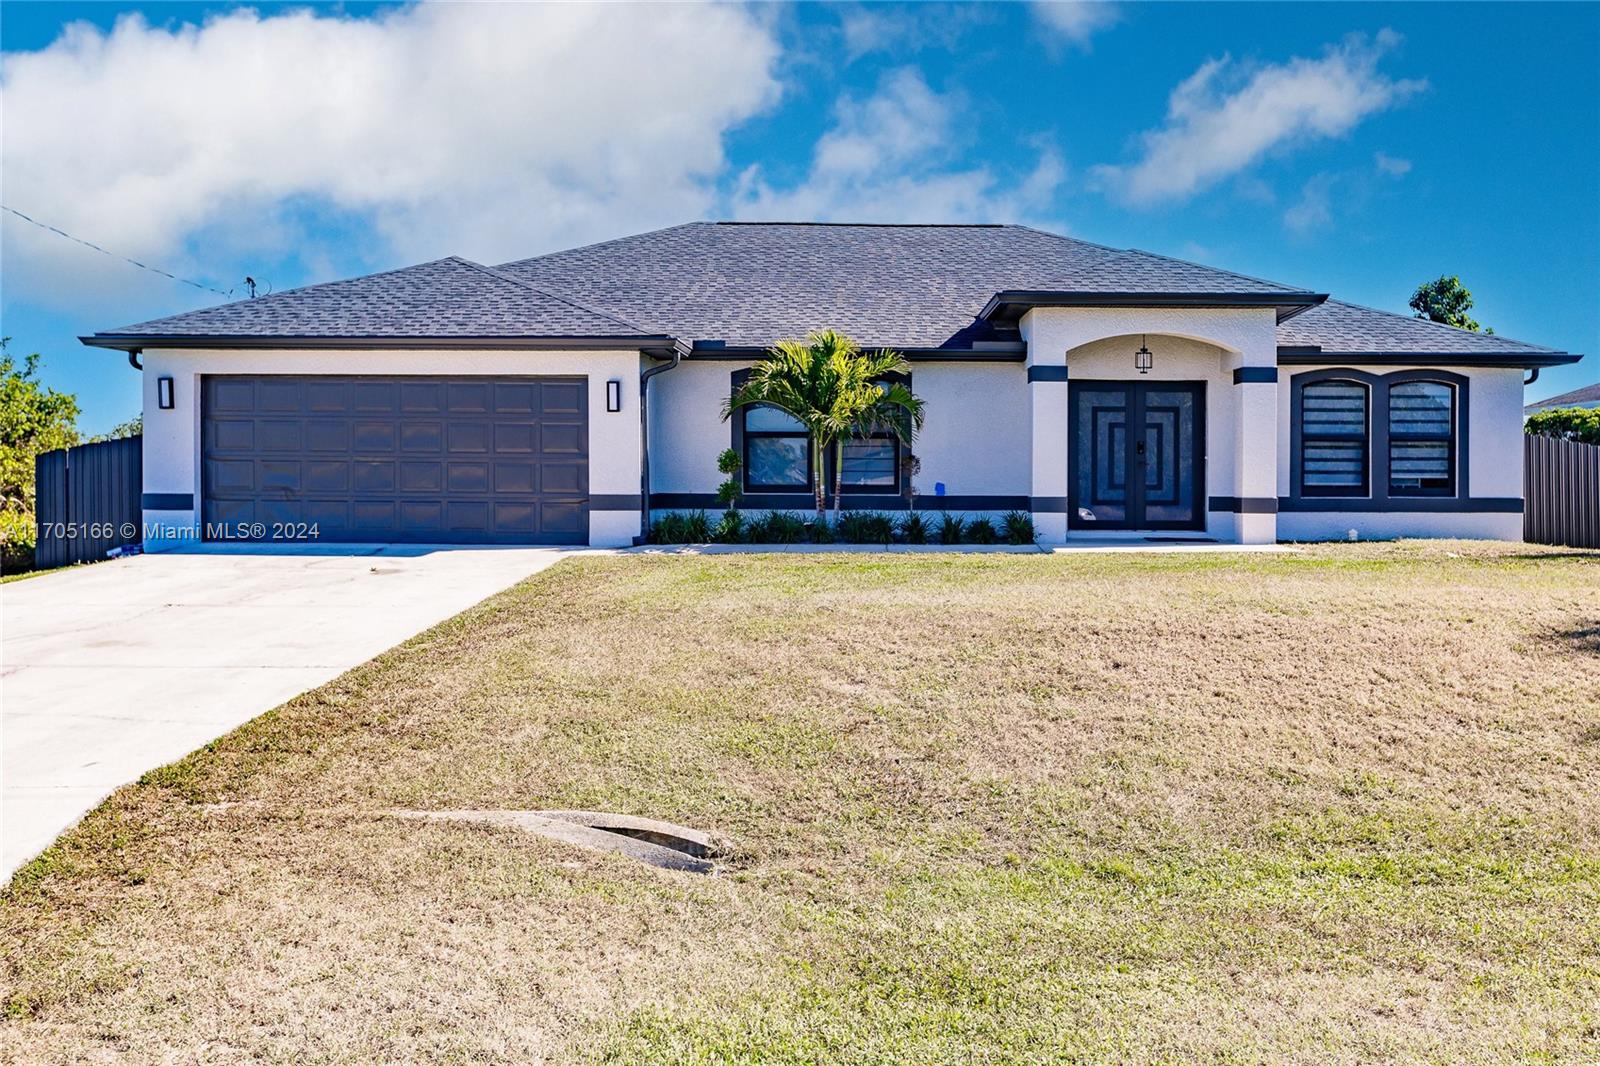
{"points": [[833, 389]]}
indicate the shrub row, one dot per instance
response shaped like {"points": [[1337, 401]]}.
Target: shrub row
{"points": [[853, 527]]}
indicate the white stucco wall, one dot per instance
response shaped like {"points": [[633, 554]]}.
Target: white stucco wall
{"points": [[973, 440], [1494, 467], [172, 438]]}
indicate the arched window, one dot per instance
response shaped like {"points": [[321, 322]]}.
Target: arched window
{"points": [[1422, 438], [1334, 434]]}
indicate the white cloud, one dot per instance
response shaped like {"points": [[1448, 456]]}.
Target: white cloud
{"points": [[879, 28], [488, 130], [1075, 21], [1390, 165], [892, 158], [1313, 210], [1224, 118]]}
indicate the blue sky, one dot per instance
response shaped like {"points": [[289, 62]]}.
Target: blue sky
{"points": [[1358, 149]]}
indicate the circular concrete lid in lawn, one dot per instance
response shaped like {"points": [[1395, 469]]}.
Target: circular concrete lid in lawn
{"points": [[663, 844]]}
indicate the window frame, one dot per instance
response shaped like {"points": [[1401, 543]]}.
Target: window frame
{"points": [[1379, 496], [1451, 441], [1302, 439], [742, 436], [748, 435]]}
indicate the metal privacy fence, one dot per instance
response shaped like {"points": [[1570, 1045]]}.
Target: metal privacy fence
{"points": [[1561, 481], [88, 500]]}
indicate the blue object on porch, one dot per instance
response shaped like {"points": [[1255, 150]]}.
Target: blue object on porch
{"points": [[938, 488]]}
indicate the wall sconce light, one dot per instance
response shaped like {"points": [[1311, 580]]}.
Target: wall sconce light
{"points": [[164, 393], [614, 395], [1142, 359]]}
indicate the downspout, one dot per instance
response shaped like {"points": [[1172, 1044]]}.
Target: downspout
{"points": [[678, 350], [1533, 375], [133, 358]]}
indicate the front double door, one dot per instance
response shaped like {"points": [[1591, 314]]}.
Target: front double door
{"points": [[1138, 455]]}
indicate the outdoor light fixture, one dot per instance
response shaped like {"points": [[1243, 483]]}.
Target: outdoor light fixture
{"points": [[164, 393], [614, 395], [1142, 359]]}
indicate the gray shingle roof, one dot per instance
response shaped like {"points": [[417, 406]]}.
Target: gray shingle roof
{"points": [[446, 298], [1336, 326], [750, 284], [1584, 396]]}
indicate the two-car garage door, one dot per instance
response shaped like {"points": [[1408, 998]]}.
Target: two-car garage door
{"points": [[472, 460]]}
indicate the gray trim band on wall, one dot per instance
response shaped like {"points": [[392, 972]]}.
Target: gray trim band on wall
{"points": [[167, 501], [1046, 373], [1253, 375], [1403, 505], [621, 502], [804, 501], [1047, 504], [1243, 504]]}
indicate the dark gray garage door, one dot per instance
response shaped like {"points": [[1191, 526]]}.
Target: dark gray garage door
{"points": [[418, 459]]}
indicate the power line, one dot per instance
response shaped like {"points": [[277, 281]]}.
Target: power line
{"points": [[114, 255]]}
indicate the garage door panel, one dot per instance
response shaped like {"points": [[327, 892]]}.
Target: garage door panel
{"points": [[422, 397], [327, 397], [279, 435], [561, 398], [479, 460], [278, 396], [231, 475], [421, 477], [516, 478], [561, 438], [515, 518], [468, 438], [328, 435], [230, 394], [422, 436], [278, 475], [565, 478], [328, 476], [376, 396], [367, 435], [568, 519]]}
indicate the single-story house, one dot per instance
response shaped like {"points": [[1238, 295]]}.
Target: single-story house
{"points": [[568, 397], [1587, 397]]}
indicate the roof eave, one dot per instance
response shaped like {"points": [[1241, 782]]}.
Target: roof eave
{"points": [[1010, 304], [1312, 355], [134, 342]]}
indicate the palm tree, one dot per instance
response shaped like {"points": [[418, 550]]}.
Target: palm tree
{"points": [[835, 390]]}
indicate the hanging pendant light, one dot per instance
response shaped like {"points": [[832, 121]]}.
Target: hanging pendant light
{"points": [[1142, 359]]}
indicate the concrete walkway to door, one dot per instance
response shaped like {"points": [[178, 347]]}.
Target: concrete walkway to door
{"points": [[110, 670]]}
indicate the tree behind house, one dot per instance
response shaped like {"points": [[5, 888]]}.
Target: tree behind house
{"points": [[33, 419], [1445, 300]]}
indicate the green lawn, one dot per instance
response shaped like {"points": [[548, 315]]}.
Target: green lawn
{"points": [[1332, 807]]}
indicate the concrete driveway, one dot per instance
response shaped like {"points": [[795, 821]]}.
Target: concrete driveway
{"points": [[109, 670]]}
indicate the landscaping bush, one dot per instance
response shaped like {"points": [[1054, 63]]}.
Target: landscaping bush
{"points": [[728, 464], [952, 528], [18, 537], [914, 529], [778, 527], [730, 528], [1018, 527], [820, 532], [1569, 423], [981, 531], [866, 527], [681, 527]]}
